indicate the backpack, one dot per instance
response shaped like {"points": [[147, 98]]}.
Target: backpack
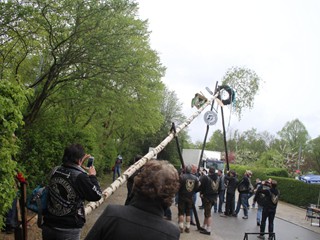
{"points": [[274, 197], [261, 198], [37, 200], [242, 187]]}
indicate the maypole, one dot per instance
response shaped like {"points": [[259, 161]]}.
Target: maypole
{"points": [[136, 166]]}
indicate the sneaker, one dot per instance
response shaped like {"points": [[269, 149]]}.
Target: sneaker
{"points": [[234, 215], [187, 230], [204, 231], [245, 217], [192, 223], [181, 230], [261, 237]]}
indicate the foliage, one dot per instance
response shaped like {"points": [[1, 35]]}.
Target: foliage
{"points": [[216, 142], [293, 138], [271, 158], [314, 154], [95, 79], [245, 82], [295, 134], [258, 172], [11, 103], [171, 111]]}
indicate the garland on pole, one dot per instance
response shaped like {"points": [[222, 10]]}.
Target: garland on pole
{"points": [[136, 166]]}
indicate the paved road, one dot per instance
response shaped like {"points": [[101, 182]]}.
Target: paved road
{"points": [[290, 223]]}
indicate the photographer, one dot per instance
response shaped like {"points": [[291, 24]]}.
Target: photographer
{"points": [[70, 185]]}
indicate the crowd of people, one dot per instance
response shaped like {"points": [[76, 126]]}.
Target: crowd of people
{"points": [[151, 192]]}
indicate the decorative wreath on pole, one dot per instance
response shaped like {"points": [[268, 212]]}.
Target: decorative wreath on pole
{"points": [[231, 94]]}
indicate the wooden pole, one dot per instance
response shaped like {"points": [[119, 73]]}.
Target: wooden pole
{"points": [[225, 139], [23, 200]]}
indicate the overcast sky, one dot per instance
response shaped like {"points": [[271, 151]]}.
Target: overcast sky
{"points": [[198, 41]]}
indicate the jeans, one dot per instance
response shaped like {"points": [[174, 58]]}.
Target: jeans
{"points": [[243, 200], [259, 213], [194, 199], [49, 233], [221, 200], [117, 170], [270, 214], [11, 215]]}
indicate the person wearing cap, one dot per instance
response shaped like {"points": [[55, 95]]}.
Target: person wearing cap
{"points": [[209, 186], [189, 184], [244, 191], [117, 167]]}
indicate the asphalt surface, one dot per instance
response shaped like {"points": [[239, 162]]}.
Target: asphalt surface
{"points": [[290, 222]]}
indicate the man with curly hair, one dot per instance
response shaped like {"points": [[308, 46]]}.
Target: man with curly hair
{"points": [[154, 189]]}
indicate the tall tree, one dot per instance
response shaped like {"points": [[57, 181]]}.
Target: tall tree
{"points": [[246, 83], [293, 138], [312, 161], [216, 142], [171, 110], [94, 76]]}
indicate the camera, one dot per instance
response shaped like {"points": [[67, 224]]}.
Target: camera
{"points": [[90, 162]]}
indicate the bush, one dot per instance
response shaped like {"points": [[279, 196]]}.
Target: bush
{"points": [[296, 192], [261, 173]]}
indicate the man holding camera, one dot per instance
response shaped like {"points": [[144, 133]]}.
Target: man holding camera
{"points": [[70, 185]]}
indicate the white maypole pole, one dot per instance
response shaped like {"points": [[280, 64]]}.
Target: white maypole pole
{"points": [[136, 166]]}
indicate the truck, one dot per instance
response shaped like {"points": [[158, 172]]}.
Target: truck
{"points": [[209, 159]]}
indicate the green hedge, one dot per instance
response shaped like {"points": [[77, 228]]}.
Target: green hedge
{"points": [[261, 173], [297, 192]]}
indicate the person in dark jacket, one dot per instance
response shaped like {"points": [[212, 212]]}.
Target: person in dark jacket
{"points": [[209, 186], [270, 203], [69, 186], [189, 184], [231, 181], [154, 189], [244, 192], [117, 167]]}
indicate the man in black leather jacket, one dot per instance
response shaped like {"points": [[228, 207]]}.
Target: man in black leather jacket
{"points": [[270, 203], [189, 184], [70, 185], [154, 189]]}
